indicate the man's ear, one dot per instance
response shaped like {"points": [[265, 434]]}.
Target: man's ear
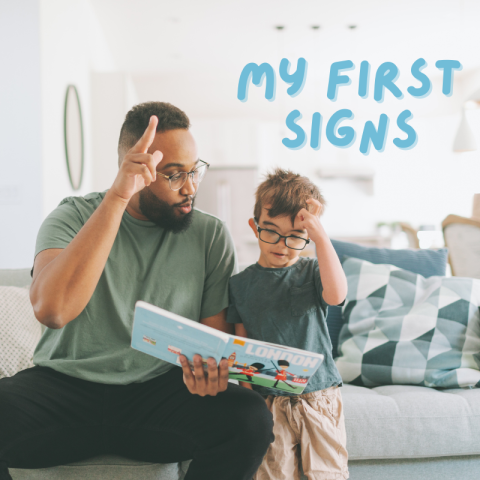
{"points": [[251, 222]]}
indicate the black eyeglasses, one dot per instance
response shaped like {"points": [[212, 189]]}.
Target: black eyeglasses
{"points": [[178, 180], [291, 241]]}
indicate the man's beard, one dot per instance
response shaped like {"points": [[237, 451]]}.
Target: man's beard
{"points": [[163, 214]]}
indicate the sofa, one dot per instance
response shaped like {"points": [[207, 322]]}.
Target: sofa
{"points": [[394, 432]]}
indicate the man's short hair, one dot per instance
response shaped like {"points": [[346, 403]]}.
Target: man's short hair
{"points": [[286, 193], [136, 122]]}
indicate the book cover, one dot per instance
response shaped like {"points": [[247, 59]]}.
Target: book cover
{"points": [[166, 336], [269, 365]]}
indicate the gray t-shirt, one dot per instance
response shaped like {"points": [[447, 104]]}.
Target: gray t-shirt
{"points": [[285, 306], [186, 273]]}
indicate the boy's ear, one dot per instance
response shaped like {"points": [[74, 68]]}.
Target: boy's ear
{"points": [[253, 227]]}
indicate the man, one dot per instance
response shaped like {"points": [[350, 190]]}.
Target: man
{"points": [[90, 393]]}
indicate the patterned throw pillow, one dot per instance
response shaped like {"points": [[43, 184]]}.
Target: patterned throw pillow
{"points": [[19, 331], [402, 328], [424, 262]]}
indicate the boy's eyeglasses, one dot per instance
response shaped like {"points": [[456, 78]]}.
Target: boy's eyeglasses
{"points": [[178, 180], [291, 241]]}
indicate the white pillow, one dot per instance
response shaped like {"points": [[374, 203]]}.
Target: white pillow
{"points": [[20, 331]]}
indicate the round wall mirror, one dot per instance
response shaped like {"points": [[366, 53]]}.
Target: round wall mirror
{"points": [[73, 131]]}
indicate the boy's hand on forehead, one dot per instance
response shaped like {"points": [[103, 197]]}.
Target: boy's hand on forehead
{"points": [[310, 219], [314, 207]]}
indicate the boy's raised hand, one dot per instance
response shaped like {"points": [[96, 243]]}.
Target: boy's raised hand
{"points": [[310, 219], [315, 207], [138, 168]]}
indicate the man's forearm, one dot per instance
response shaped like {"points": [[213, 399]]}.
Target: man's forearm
{"points": [[62, 287], [64, 280]]}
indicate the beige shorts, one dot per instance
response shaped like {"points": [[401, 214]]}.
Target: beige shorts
{"points": [[309, 431]]}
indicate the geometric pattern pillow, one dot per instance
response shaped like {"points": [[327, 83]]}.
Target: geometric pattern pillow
{"points": [[424, 262], [20, 331], [402, 328]]}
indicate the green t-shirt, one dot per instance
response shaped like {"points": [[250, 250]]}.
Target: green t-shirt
{"points": [[186, 273]]}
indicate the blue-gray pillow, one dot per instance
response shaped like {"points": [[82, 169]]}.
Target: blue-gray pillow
{"points": [[404, 329], [423, 262]]}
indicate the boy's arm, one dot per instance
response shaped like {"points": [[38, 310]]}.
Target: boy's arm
{"points": [[334, 282], [240, 331], [218, 322], [333, 277]]}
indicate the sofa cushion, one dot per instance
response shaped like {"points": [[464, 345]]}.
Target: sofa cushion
{"points": [[424, 262], [15, 277], [402, 328], [400, 421], [19, 331], [105, 467]]}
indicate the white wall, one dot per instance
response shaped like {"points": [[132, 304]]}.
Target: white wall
{"points": [[45, 45], [72, 45], [113, 95], [20, 132]]}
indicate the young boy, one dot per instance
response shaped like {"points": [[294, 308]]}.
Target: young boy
{"points": [[283, 299]]}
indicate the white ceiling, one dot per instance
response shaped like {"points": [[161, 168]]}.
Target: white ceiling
{"points": [[191, 52], [159, 36]]}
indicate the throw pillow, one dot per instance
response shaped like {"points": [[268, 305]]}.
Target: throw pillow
{"points": [[423, 262], [403, 328], [19, 331]]}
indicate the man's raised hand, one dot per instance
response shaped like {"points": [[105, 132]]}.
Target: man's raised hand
{"points": [[216, 381], [138, 168]]}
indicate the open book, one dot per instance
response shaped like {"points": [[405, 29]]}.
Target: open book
{"points": [[166, 335]]}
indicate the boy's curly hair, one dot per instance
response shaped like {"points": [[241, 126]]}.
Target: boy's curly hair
{"points": [[286, 193]]}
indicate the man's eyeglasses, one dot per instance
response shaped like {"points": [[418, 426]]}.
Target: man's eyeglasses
{"points": [[291, 241], [178, 180]]}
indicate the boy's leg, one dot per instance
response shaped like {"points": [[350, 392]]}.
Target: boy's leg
{"points": [[281, 461], [161, 421], [323, 435], [47, 419]]}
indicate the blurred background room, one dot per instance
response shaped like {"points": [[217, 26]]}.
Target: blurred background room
{"points": [[71, 69]]}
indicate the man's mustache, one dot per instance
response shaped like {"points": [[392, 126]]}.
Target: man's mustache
{"points": [[185, 202]]}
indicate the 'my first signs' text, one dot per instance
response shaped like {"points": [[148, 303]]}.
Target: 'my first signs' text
{"points": [[344, 136]]}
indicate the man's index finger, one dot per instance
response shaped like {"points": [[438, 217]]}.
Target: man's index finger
{"points": [[148, 136]]}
